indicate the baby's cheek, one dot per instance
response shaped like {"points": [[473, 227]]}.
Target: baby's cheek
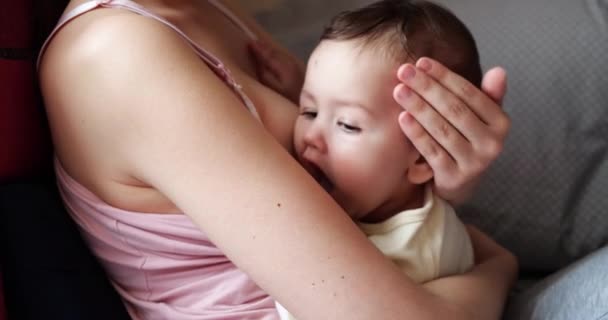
{"points": [[354, 162], [358, 173]]}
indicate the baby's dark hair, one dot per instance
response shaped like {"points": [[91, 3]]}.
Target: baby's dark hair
{"points": [[409, 29]]}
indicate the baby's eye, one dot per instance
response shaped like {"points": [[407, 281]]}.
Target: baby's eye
{"points": [[308, 114], [349, 128]]}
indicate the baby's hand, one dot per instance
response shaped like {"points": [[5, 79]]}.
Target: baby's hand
{"points": [[279, 71]]}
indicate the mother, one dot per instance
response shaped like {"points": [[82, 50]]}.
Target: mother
{"points": [[163, 154]]}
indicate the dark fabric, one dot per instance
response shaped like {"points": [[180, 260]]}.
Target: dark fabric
{"points": [[48, 271], [44, 18], [2, 306], [15, 21], [25, 145]]}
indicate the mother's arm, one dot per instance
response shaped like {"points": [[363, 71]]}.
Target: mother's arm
{"points": [[458, 128]]}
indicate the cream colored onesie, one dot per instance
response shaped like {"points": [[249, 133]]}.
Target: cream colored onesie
{"points": [[426, 243]]}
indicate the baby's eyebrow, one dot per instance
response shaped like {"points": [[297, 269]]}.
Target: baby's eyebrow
{"points": [[339, 102], [353, 103], [308, 95]]}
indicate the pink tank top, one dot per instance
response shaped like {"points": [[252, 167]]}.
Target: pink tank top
{"points": [[162, 265]]}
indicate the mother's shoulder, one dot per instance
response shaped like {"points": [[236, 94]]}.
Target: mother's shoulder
{"points": [[104, 33], [111, 49]]}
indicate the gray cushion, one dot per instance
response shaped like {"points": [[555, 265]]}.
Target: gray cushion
{"points": [[546, 198]]}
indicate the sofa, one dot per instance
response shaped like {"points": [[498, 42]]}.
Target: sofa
{"points": [[545, 199]]}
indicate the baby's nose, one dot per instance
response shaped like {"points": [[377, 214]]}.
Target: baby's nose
{"points": [[315, 137]]}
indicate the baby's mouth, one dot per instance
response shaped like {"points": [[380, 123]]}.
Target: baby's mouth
{"points": [[326, 183], [319, 176]]}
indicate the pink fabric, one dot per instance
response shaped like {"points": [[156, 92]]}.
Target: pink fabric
{"points": [[162, 265]]}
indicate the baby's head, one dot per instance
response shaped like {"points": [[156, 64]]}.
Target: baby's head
{"points": [[347, 135], [401, 31]]}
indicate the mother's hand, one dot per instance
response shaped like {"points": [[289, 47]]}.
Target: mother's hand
{"points": [[458, 128]]}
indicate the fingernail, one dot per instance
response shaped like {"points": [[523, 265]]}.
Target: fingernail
{"points": [[404, 92], [408, 72], [403, 119], [424, 64]]}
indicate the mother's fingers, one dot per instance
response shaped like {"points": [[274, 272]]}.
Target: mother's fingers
{"points": [[441, 112], [429, 149], [460, 89], [436, 139], [494, 84]]}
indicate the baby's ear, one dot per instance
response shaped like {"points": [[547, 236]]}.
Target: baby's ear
{"points": [[420, 171]]}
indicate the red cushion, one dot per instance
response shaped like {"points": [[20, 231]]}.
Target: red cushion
{"points": [[24, 139]]}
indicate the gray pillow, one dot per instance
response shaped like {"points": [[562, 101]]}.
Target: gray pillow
{"points": [[546, 198]]}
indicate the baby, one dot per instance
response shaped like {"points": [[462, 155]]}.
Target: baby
{"points": [[347, 136]]}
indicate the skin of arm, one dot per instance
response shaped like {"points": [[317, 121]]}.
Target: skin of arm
{"points": [[169, 122]]}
